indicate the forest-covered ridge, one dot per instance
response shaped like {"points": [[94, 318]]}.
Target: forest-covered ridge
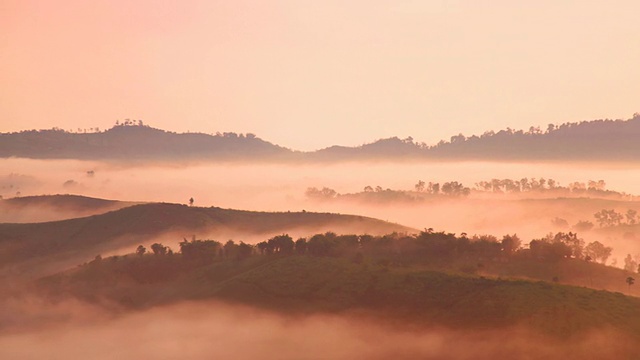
{"points": [[429, 278], [597, 140]]}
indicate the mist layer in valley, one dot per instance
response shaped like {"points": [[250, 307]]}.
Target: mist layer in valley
{"points": [[194, 330], [282, 188], [212, 329]]}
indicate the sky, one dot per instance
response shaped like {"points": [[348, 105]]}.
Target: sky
{"points": [[308, 74]]}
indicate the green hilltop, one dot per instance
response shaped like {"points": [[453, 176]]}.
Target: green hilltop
{"points": [[412, 280]]}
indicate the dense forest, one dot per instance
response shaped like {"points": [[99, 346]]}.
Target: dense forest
{"points": [[601, 140]]}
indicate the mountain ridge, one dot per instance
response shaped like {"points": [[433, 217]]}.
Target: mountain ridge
{"points": [[610, 140]]}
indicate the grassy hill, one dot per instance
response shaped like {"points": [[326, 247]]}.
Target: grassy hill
{"points": [[308, 284], [55, 207], [142, 223]]}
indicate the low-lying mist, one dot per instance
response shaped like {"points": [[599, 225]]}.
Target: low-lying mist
{"points": [[268, 186], [278, 187], [72, 330]]}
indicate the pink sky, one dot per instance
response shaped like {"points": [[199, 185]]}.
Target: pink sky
{"points": [[308, 74]]}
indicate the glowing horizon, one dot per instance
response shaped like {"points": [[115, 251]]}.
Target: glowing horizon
{"points": [[307, 75]]}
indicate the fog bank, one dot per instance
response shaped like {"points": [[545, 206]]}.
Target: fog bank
{"points": [[214, 330]]}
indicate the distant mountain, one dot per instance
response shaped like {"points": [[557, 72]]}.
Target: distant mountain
{"points": [[132, 142], [605, 140], [599, 140]]}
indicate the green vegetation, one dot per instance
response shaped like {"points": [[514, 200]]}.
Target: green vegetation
{"points": [[140, 223], [598, 140], [523, 188], [431, 278]]}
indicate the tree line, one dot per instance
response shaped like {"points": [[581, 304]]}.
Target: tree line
{"points": [[396, 248], [596, 188]]}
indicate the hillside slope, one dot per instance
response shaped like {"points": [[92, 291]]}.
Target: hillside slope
{"points": [[141, 223], [307, 284], [55, 207]]}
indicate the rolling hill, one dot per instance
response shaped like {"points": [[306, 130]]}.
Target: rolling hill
{"points": [[146, 222], [307, 284], [55, 207]]}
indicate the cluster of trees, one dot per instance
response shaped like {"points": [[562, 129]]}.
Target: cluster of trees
{"points": [[515, 186], [202, 250], [427, 246], [612, 218], [321, 194], [133, 123], [604, 218], [506, 186], [568, 245], [130, 122], [457, 189], [451, 189]]}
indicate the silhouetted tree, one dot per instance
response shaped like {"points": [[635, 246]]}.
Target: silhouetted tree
{"points": [[630, 265], [549, 248], [244, 251], [159, 249], [321, 244], [630, 281], [230, 249], [510, 244], [199, 250], [141, 250], [454, 188], [264, 248], [281, 244], [572, 240], [583, 226], [301, 246], [597, 251], [608, 218], [325, 193]]}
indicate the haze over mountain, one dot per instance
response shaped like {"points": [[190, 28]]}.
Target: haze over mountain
{"points": [[598, 140]]}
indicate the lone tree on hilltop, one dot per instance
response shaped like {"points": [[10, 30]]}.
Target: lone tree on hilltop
{"points": [[630, 281]]}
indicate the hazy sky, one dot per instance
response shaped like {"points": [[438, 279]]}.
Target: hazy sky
{"points": [[308, 74]]}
